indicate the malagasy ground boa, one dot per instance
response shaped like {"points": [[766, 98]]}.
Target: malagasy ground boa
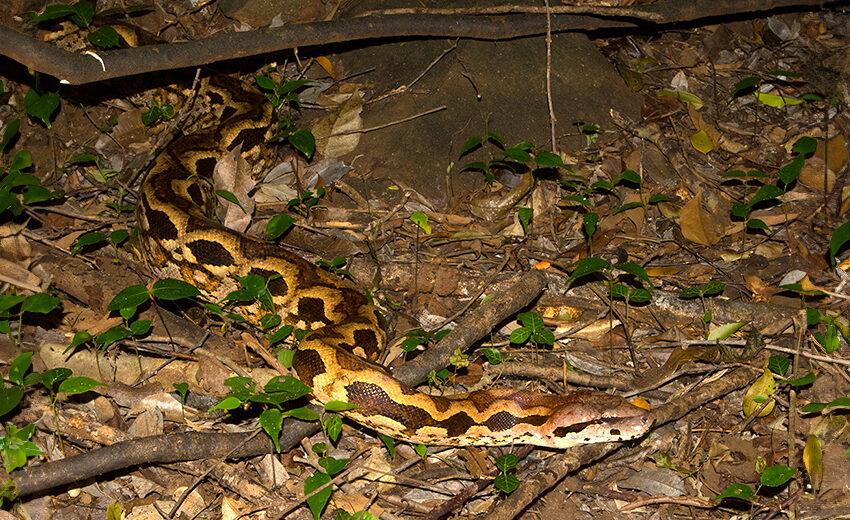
{"points": [[181, 239]]}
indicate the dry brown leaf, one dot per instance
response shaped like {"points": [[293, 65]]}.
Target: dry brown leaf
{"points": [[233, 173], [344, 118], [836, 151], [761, 291], [697, 224], [812, 172]]}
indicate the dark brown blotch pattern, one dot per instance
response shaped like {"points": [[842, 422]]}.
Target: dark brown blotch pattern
{"points": [[209, 252]]}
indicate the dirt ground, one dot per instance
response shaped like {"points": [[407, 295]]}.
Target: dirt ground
{"points": [[704, 166]]}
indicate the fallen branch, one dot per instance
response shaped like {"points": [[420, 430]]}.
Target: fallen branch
{"points": [[77, 69]]}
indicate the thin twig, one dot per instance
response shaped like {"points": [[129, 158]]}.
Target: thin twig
{"points": [[385, 125]]}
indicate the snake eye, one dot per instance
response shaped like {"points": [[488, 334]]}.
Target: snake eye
{"points": [[615, 432]]}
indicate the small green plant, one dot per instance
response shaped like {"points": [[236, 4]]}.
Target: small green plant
{"points": [[39, 303], [274, 393], [18, 190], [16, 447], [518, 158], [583, 190], [614, 276], [80, 13], [20, 380], [506, 482], [158, 113], [532, 330], [589, 131], [306, 201], [115, 238], [772, 477], [839, 237], [285, 95], [419, 337], [336, 266]]}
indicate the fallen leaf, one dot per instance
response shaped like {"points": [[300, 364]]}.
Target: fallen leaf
{"points": [[697, 224]]}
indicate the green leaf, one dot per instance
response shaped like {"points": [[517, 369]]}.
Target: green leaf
{"points": [[471, 144], [303, 414], [775, 476], [590, 219], [53, 376], [548, 159], [813, 316], [230, 197], [627, 206], [303, 141], [739, 491], [791, 171], [766, 192], [80, 337], [332, 465], [778, 364], [757, 223], [494, 357], [635, 270], [228, 403], [118, 236], [639, 296], [477, 165], [686, 97], [776, 101], [278, 225], [713, 288], [10, 397], [271, 420], [78, 385], [19, 367], [530, 320], [41, 107], [688, 293], [805, 146], [506, 462], [517, 154], [802, 381], [112, 335], [333, 427], [173, 289], [36, 194], [88, 239], [140, 327], [9, 133], [339, 406], [129, 298], [105, 37], [655, 199], [40, 303], [524, 215], [421, 220], [839, 237], [587, 266], [496, 138], [520, 335], [724, 331], [506, 483], [7, 301], [389, 443], [318, 501]]}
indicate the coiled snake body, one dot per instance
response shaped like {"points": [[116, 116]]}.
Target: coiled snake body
{"points": [[181, 239]]}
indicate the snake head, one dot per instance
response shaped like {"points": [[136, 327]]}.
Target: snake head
{"points": [[587, 417]]}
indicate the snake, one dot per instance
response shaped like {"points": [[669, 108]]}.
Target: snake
{"points": [[181, 238]]}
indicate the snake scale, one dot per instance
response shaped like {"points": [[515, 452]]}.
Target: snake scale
{"points": [[181, 239]]}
